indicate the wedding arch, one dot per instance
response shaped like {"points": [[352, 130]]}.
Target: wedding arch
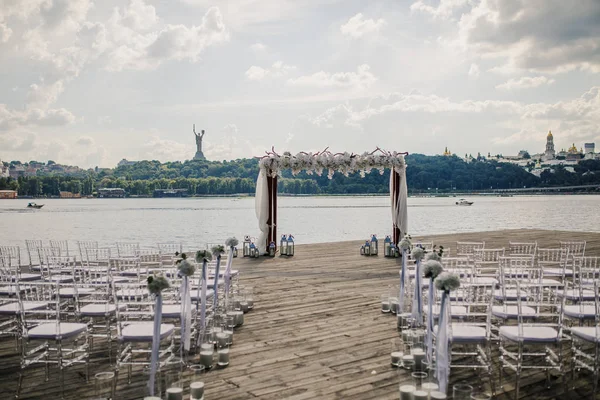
{"points": [[272, 164]]}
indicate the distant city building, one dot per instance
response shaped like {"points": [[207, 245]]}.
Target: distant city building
{"points": [[8, 194], [589, 148], [549, 154], [447, 152], [125, 162], [111, 193], [170, 193], [523, 154], [573, 154]]}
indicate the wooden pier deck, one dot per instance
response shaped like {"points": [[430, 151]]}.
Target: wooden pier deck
{"points": [[316, 332]]}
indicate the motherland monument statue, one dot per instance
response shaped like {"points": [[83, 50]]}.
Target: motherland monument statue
{"points": [[199, 155]]}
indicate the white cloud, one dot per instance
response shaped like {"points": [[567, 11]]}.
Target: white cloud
{"points": [[258, 47], [525, 82], [474, 71], [358, 26], [361, 79], [104, 120], [549, 36], [278, 69], [43, 95], [5, 33], [444, 10], [85, 141]]}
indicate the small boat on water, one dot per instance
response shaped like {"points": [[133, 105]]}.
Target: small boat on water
{"points": [[36, 206], [463, 202]]}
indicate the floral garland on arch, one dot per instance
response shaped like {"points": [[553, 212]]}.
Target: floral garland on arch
{"points": [[344, 163]]}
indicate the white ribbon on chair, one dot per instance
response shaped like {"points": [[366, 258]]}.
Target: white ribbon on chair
{"points": [[186, 314], [155, 342], [202, 289], [442, 356], [430, 323], [216, 285], [228, 273], [417, 304], [402, 280]]}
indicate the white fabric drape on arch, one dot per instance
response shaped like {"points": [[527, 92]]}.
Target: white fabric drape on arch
{"points": [[261, 203], [399, 203]]}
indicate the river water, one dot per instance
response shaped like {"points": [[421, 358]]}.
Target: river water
{"points": [[197, 221]]}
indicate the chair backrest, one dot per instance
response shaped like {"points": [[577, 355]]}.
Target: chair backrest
{"points": [[427, 246], [60, 265], [522, 248], [130, 266], [61, 247], [517, 269], [32, 251], [43, 292], [575, 248], [555, 257], [467, 248], [83, 245], [588, 270], [127, 249], [12, 254], [7, 273]]}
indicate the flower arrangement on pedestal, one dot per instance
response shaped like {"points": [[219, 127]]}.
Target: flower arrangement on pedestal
{"points": [[436, 254], [431, 270], [185, 270]]}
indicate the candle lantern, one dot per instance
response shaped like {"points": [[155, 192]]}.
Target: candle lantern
{"points": [[290, 245], [272, 249], [387, 247], [246, 246], [396, 251], [367, 248], [283, 246], [253, 251], [374, 245], [362, 250], [235, 252]]}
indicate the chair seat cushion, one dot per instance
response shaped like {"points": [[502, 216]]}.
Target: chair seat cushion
{"points": [[174, 310], [586, 333], [56, 331], [574, 294], [137, 294], [531, 334], [9, 290], [509, 294], [580, 311], [130, 272], [484, 281], [69, 292], [509, 312], [455, 310], [26, 277], [143, 332], [113, 279], [196, 297], [13, 308], [94, 310], [466, 333], [60, 278], [557, 272]]}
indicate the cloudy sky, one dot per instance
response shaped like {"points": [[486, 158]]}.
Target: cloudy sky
{"points": [[88, 83]]}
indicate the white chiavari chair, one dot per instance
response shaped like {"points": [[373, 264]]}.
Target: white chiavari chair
{"points": [[129, 267], [61, 247], [83, 247], [46, 337], [167, 252], [585, 346], [458, 265], [135, 328], [533, 343]]}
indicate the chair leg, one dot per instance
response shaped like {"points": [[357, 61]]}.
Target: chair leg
{"points": [[19, 384]]}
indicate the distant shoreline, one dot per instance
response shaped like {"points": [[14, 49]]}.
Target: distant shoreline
{"points": [[246, 195]]}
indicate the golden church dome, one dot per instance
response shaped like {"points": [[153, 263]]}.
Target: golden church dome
{"points": [[549, 134], [573, 149]]}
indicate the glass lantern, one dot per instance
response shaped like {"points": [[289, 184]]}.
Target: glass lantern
{"points": [[246, 246], [283, 246], [253, 251], [374, 245], [362, 250], [367, 248], [387, 247], [290, 245], [272, 249]]}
